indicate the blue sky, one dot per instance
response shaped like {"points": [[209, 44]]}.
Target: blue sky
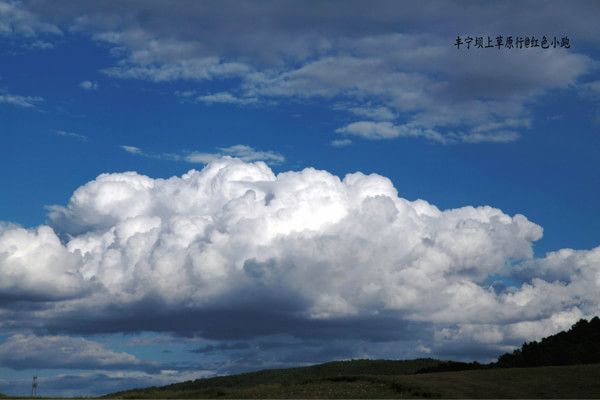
{"points": [[89, 89]]}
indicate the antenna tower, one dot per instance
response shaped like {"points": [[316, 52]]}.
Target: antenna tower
{"points": [[34, 386]]}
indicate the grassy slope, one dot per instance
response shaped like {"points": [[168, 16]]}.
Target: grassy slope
{"points": [[389, 379], [574, 381], [282, 378]]}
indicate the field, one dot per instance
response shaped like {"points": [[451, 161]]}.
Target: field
{"points": [[388, 379]]}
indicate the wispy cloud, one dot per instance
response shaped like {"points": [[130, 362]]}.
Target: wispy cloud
{"points": [[40, 44], [226, 98], [488, 133], [376, 113], [72, 135], [197, 68], [132, 149], [388, 130], [241, 151], [341, 142], [20, 101]]}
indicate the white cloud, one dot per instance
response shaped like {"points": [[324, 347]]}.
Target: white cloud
{"points": [[235, 236], [35, 266], [20, 101], [88, 85], [22, 351], [72, 135]]}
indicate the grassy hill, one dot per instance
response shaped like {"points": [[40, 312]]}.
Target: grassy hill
{"points": [[331, 381], [338, 371], [538, 370], [578, 345]]}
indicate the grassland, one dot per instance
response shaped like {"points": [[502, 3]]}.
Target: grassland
{"points": [[388, 379]]}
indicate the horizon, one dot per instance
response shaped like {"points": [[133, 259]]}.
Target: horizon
{"points": [[194, 189]]}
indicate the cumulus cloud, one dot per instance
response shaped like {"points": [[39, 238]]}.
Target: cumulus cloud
{"points": [[235, 251], [36, 266]]}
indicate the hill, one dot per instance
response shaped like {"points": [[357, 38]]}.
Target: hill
{"points": [[578, 381], [565, 365], [337, 371], [578, 345]]}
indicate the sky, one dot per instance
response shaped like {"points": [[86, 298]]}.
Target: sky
{"points": [[191, 189]]}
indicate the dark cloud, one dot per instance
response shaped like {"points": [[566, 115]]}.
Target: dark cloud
{"points": [[227, 18], [231, 323]]}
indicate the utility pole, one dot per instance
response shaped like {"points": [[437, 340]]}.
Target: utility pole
{"points": [[34, 386]]}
